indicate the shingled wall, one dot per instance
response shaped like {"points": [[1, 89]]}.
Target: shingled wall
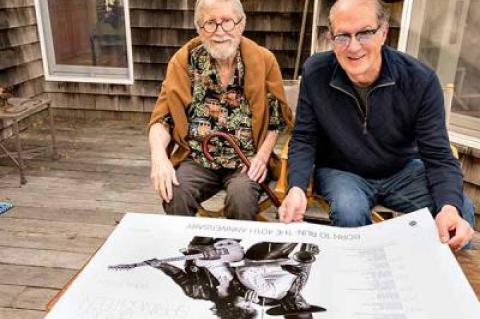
{"points": [[161, 27], [20, 56]]}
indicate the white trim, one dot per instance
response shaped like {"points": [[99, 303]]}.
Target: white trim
{"points": [[41, 35], [464, 140], [465, 124], [76, 73], [405, 25], [128, 35], [313, 46], [79, 79]]}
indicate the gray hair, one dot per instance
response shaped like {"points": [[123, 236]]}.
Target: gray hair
{"points": [[383, 12], [200, 8]]}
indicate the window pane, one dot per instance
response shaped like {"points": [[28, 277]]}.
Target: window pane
{"points": [[467, 77], [445, 34], [88, 32]]}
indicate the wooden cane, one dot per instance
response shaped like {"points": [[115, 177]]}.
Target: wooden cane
{"points": [[243, 158]]}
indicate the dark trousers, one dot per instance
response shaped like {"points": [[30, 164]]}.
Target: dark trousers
{"points": [[198, 184]]}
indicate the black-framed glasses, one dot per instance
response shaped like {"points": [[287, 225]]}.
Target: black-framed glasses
{"points": [[227, 25], [342, 40]]}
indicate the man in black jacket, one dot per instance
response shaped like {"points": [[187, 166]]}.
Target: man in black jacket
{"points": [[372, 121]]}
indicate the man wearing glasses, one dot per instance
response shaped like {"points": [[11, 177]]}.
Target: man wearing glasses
{"points": [[219, 81], [372, 121]]}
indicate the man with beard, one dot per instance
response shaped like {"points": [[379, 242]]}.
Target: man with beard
{"points": [[219, 81]]}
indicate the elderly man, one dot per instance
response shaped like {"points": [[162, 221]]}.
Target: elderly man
{"points": [[219, 81], [372, 121]]}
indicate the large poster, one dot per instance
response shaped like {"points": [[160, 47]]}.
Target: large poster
{"points": [[155, 266]]}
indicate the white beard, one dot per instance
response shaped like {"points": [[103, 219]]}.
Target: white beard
{"points": [[222, 52]]}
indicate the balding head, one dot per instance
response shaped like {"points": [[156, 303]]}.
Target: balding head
{"points": [[358, 31], [383, 13]]}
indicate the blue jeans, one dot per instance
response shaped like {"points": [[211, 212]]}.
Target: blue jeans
{"points": [[351, 197]]}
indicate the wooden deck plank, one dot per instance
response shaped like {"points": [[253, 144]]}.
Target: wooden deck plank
{"points": [[19, 275], [105, 200], [100, 217], [88, 166], [78, 176], [79, 204], [89, 204], [9, 293], [10, 313], [34, 298], [59, 229], [93, 190], [469, 260], [89, 181], [72, 243], [43, 258]]}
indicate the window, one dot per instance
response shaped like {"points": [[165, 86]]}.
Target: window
{"points": [[444, 34], [85, 40]]}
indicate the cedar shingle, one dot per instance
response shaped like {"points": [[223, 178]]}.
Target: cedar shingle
{"points": [[18, 36], [19, 55], [17, 17], [16, 3]]}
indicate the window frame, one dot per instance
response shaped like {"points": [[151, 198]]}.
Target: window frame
{"points": [[77, 73]]}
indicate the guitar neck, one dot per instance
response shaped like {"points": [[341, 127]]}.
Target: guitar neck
{"points": [[180, 258], [157, 262]]}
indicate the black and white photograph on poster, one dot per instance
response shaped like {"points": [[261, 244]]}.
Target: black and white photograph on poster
{"points": [[155, 266], [265, 279]]}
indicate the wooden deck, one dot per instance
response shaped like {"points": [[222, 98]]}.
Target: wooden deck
{"points": [[69, 207]]}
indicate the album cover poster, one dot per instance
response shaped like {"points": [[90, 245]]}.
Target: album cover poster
{"points": [[156, 266]]}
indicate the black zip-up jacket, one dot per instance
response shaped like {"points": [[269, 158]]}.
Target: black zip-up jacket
{"points": [[404, 119]]}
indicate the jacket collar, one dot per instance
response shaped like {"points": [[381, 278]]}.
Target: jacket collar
{"points": [[341, 80]]}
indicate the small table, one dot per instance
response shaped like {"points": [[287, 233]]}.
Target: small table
{"points": [[21, 109]]}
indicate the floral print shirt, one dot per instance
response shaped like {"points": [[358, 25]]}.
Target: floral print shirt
{"points": [[223, 109]]}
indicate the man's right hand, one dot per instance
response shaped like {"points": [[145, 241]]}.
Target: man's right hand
{"points": [[293, 206], [163, 177]]}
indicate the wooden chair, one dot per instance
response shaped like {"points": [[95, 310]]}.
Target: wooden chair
{"points": [[16, 115], [317, 208]]}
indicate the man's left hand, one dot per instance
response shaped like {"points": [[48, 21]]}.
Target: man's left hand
{"points": [[452, 228], [258, 169]]}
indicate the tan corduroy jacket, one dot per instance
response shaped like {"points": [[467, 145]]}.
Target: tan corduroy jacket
{"points": [[262, 75]]}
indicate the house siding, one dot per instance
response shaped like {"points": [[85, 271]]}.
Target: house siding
{"points": [[159, 28], [20, 55]]}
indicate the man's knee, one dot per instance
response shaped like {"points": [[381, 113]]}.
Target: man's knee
{"points": [[182, 203], [468, 210], [242, 200], [350, 210]]}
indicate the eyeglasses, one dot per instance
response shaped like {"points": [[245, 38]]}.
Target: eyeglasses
{"points": [[227, 25], [342, 40]]}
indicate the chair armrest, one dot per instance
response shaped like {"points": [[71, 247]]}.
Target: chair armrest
{"points": [[454, 151], [282, 183]]}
